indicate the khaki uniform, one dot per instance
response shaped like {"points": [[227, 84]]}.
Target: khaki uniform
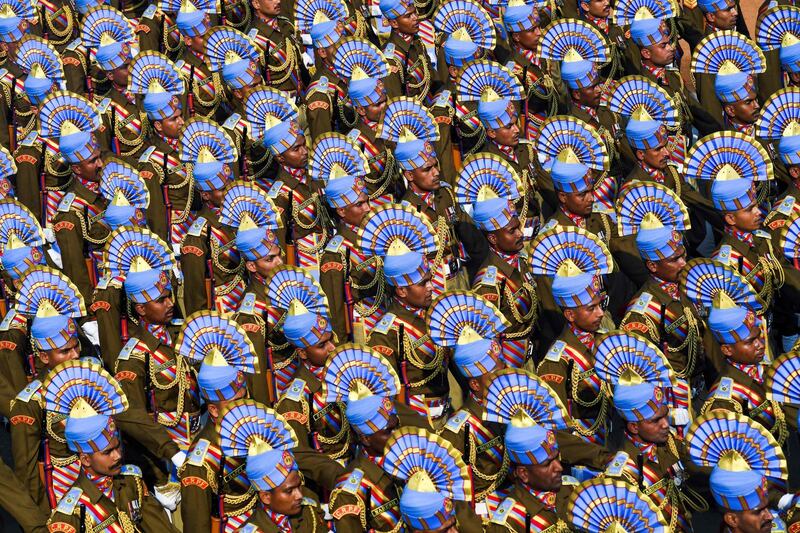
{"points": [[383, 169], [365, 498], [81, 73], [59, 22], [205, 87], [132, 509], [127, 126], [310, 519], [38, 162], [327, 105], [14, 350], [521, 511], [285, 68]]}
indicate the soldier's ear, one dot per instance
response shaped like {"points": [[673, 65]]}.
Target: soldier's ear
{"points": [[158, 126], [402, 292], [794, 171], [651, 266], [138, 309], [639, 155], [726, 349], [491, 133], [731, 520], [474, 385], [729, 218], [266, 497], [521, 473], [250, 266], [84, 459], [632, 427], [642, 53], [340, 212], [569, 314], [213, 411], [729, 110], [492, 238]]}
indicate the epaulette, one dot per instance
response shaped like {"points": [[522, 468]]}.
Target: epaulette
{"points": [[489, 276], [568, 480], [724, 254], [127, 350], [248, 305], [295, 390], [176, 322], [388, 51], [30, 391], [179, 64], [232, 121], [353, 481], [150, 12], [555, 351], [443, 100], [31, 139], [70, 501], [602, 209], [287, 20], [66, 202], [309, 502], [642, 302], [131, 470], [103, 282], [785, 207], [457, 421], [252, 33], [145, 157], [197, 227], [500, 515], [354, 134], [199, 451], [5, 325], [335, 244], [385, 324], [321, 85], [74, 44], [617, 465], [275, 190], [760, 233], [552, 223], [103, 106], [724, 390]]}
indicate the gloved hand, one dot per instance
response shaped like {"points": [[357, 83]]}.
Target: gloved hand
{"points": [[49, 235], [178, 459], [679, 416], [55, 257], [92, 332], [168, 495]]}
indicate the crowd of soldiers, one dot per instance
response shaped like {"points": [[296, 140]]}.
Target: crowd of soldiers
{"points": [[416, 266]]}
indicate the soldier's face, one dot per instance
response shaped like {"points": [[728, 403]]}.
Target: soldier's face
{"points": [[661, 54], [69, 352], [286, 498], [268, 8], [744, 111], [587, 317], [670, 267], [375, 444], [597, 8], [318, 354], [170, 127], [106, 462], [747, 219], [758, 520], [426, 177], [545, 475], [354, 213], [215, 197], [578, 203], [509, 239], [507, 135], [655, 430], [528, 39], [724, 19], [158, 311], [264, 265], [374, 112], [89, 169], [588, 96], [749, 351], [479, 386], [297, 155], [407, 23], [657, 157], [419, 295], [120, 76]]}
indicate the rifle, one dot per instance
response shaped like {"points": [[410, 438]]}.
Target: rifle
{"points": [[115, 140], [221, 493], [271, 384], [190, 92], [348, 296], [291, 259], [42, 186], [165, 192], [401, 358], [242, 155], [12, 118], [48, 464]]}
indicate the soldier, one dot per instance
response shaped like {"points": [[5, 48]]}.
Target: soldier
{"points": [[539, 491], [474, 327], [568, 366], [109, 34], [428, 193], [609, 501], [780, 52], [726, 87], [321, 429], [253, 216], [16, 21], [266, 439], [59, 22], [504, 277], [303, 214], [432, 486], [159, 80], [210, 263], [53, 304], [213, 486], [365, 69], [740, 335], [106, 492], [77, 136], [403, 239], [651, 452], [205, 91], [740, 483], [496, 89], [327, 108], [356, 297], [164, 406], [276, 36], [365, 496], [660, 311]]}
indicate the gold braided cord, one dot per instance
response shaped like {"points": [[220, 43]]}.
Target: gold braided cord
{"points": [[435, 364], [62, 36], [362, 509], [217, 250], [289, 67], [181, 381], [136, 142], [49, 161]]}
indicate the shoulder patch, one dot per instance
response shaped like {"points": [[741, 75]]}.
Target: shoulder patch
{"points": [[785, 207], [724, 254], [295, 390], [354, 134], [102, 284], [724, 390], [500, 515], [145, 157], [353, 481], [555, 351], [642, 302], [252, 33], [30, 391], [125, 352], [617, 464], [443, 99], [248, 305], [457, 421], [761, 234], [74, 45], [232, 121], [275, 190], [31, 139], [335, 244], [388, 50], [568, 480], [66, 202], [199, 451], [196, 228], [490, 276], [103, 106], [322, 84], [69, 501], [131, 470], [309, 502], [7, 320], [149, 12], [552, 223], [384, 324]]}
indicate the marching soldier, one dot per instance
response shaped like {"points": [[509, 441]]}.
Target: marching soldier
{"points": [[276, 36], [17, 20], [214, 488], [106, 491]]}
